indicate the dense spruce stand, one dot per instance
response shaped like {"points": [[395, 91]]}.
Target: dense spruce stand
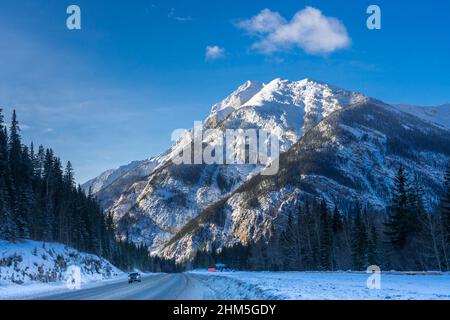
{"points": [[40, 201]]}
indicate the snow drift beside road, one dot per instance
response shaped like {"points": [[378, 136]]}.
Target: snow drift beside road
{"points": [[328, 285], [27, 262]]}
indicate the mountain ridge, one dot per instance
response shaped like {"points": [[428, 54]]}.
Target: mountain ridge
{"points": [[205, 228], [153, 201], [146, 205]]}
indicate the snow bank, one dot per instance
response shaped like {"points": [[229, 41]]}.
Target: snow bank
{"points": [[30, 262], [328, 285]]}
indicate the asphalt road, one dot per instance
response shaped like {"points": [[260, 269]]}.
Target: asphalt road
{"points": [[180, 286]]}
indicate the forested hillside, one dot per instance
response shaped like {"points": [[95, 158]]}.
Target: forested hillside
{"points": [[317, 237], [40, 201]]}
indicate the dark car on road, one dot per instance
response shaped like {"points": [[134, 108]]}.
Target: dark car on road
{"points": [[134, 277]]}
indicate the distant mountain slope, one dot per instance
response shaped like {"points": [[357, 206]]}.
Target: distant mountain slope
{"points": [[135, 178], [153, 208], [435, 114], [350, 156], [107, 177]]}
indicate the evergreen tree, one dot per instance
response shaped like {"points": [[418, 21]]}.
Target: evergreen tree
{"points": [[337, 221], [17, 177], [25, 196], [8, 228], [325, 238], [445, 218], [416, 207], [256, 258], [445, 206], [359, 241], [299, 230], [397, 224], [40, 160], [288, 245], [69, 177], [15, 149], [339, 252], [372, 247]]}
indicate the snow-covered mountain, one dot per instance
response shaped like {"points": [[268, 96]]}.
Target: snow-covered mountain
{"points": [[349, 143], [352, 155], [153, 205], [108, 177], [29, 261], [439, 115], [120, 181]]}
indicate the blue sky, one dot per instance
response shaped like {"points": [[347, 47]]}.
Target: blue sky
{"points": [[114, 91]]}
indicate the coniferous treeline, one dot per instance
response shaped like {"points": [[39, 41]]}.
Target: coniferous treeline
{"points": [[316, 237], [40, 201]]}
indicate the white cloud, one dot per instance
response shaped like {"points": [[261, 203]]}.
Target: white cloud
{"points": [[265, 21], [214, 52], [183, 19], [309, 29], [172, 14]]}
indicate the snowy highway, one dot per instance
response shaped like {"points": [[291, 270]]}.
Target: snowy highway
{"points": [[241, 285], [180, 286]]}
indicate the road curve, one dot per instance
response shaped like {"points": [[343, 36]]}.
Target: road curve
{"points": [[179, 286]]}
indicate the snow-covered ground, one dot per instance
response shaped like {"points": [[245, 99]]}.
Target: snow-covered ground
{"points": [[198, 285], [29, 267], [327, 285], [37, 290]]}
